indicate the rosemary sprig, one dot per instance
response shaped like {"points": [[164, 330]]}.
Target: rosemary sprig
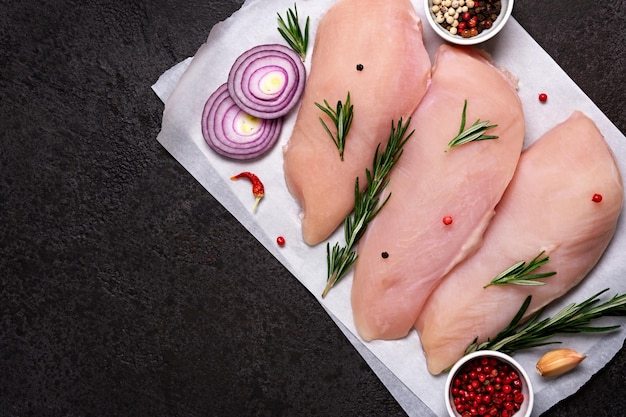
{"points": [[574, 318], [366, 205], [342, 119], [472, 133], [520, 273], [291, 31]]}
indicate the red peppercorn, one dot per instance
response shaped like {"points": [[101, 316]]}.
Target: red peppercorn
{"points": [[280, 241], [490, 388], [543, 97], [447, 220], [596, 198]]}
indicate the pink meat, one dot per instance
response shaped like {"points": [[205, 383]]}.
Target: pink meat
{"points": [[548, 206], [429, 184], [386, 39]]}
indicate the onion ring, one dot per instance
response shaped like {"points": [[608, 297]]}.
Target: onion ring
{"points": [[267, 80], [232, 132]]}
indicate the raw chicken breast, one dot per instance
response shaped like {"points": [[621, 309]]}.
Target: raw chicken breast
{"points": [[462, 185], [548, 206], [386, 39]]}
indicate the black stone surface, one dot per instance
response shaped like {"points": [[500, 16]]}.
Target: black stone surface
{"points": [[125, 288]]}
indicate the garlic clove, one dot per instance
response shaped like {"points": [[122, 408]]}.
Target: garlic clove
{"points": [[558, 362]]}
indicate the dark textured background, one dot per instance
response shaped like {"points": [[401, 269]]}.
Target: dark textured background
{"points": [[126, 289]]}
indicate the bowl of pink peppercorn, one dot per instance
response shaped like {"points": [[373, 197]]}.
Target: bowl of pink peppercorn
{"points": [[467, 22], [488, 383]]}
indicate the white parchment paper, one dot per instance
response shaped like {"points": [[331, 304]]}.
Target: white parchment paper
{"points": [[399, 364]]}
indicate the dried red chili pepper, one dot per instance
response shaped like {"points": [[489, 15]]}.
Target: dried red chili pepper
{"points": [[257, 186]]}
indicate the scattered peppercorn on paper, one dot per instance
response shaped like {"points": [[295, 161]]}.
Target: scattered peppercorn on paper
{"points": [[399, 364]]}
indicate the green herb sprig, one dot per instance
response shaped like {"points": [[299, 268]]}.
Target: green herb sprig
{"points": [[574, 318], [341, 117], [366, 205], [520, 273], [293, 34], [472, 133]]}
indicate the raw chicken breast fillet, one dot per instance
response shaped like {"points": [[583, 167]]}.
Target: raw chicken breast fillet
{"points": [[548, 207], [386, 39], [462, 185]]}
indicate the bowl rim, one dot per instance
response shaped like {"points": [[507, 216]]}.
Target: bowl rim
{"points": [[493, 353], [485, 36]]}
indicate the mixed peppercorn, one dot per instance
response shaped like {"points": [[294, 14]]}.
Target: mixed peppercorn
{"points": [[466, 18], [487, 386]]}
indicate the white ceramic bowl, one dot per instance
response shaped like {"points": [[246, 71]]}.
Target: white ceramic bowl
{"points": [[527, 389], [498, 24]]}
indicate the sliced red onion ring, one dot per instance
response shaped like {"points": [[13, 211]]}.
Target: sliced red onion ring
{"points": [[234, 133], [267, 80]]}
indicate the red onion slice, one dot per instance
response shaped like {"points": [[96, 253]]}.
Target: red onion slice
{"points": [[267, 80], [234, 133]]}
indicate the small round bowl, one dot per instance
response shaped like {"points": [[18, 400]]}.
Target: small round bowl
{"points": [[498, 24], [527, 389]]}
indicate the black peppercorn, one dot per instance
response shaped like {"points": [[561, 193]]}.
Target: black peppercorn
{"points": [[359, 67], [385, 255]]}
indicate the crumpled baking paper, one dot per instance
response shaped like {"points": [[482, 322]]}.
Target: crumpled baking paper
{"points": [[399, 364]]}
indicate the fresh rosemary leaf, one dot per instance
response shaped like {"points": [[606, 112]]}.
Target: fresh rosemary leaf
{"points": [[293, 34], [573, 318], [473, 133], [367, 205], [341, 117], [520, 273]]}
